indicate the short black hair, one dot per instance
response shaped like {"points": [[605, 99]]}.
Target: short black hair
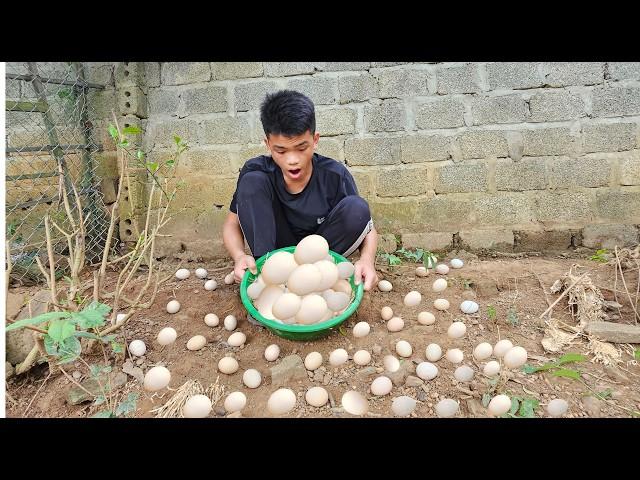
{"points": [[288, 113]]}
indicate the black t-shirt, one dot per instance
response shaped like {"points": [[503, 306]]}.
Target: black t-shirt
{"points": [[330, 182]]}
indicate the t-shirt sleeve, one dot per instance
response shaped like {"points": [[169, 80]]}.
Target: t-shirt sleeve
{"points": [[349, 186]]}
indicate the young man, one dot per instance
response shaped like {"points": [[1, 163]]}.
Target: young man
{"points": [[296, 192]]}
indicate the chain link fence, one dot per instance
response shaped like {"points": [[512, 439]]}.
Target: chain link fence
{"points": [[50, 145]]}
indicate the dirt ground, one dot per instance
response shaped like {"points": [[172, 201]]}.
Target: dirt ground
{"points": [[502, 282]]}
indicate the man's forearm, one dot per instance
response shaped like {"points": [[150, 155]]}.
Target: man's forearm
{"points": [[369, 246]]}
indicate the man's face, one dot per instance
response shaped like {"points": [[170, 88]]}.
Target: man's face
{"points": [[293, 154]]}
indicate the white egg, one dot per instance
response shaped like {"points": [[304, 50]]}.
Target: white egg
{"points": [[255, 289], [427, 371], [237, 339], [482, 351], [156, 379], [272, 352], [391, 363], [440, 285], [456, 263], [442, 269], [286, 306], [557, 407], [463, 373], [403, 348], [457, 330], [137, 348], [412, 298], [337, 301], [317, 396], [278, 267], [421, 272], [338, 357], [441, 304], [197, 406], [426, 318], [354, 403], [515, 357], [230, 323], [343, 286], [228, 365], [313, 360], [447, 408], [385, 286], [311, 249], [491, 369], [196, 343], [502, 347], [229, 278], [386, 313], [361, 357], [210, 285], [267, 298], [173, 306], [403, 406], [182, 274], [304, 280], [433, 352], [381, 386], [499, 405], [281, 401], [167, 336], [469, 306], [361, 329], [211, 320], [345, 269], [120, 318], [454, 355], [329, 272], [312, 309], [201, 273], [395, 324], [252, 378], [235, 402]]}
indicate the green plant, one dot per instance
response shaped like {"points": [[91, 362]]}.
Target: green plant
{"points": [[63, 330], [391, 259], [123, 409], [491, 312], [411, 256], [429, 259], [555, 366], [512, 317], [637, 354], [600, 255]]}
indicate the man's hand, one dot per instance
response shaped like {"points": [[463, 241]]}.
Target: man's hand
{"points": [[365, 270], [242, 262]]}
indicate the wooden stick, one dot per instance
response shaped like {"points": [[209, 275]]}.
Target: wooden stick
{"points": [[624, 283], [563, 294]]}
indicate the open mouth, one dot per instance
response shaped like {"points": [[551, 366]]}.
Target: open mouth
{"points": [[295, 172]]}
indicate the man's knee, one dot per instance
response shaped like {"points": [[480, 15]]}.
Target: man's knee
{"points": [[355, 210], [253, 182]]}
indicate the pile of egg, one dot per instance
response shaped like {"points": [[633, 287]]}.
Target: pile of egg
{"points": [[303, 287]]}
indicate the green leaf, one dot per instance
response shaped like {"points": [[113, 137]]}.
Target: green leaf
{"points": [[526, 368], [637, 354], [90, 335], [604, 394], [177, 139], [571, 357], [128, 406], [100, 399], [117, 347], [132, 130], [103, 414], [50, 346], [515, 404], [69, 350], [527, 407], [139, 154], [113, 131], [153, 166], [491, 312], [92, 315], [60, 330], [124, 143], [563, 372], [94, 370], [170, 163], [44, 317], [512, 317], [486, 398]]}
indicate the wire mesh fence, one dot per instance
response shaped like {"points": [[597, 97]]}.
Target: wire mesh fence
{"points": [[50, 146]]}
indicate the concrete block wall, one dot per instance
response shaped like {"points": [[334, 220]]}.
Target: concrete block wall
{"points": [[512, 156]]}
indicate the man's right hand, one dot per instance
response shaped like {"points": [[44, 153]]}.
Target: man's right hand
{"points": [[243, 262]]}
